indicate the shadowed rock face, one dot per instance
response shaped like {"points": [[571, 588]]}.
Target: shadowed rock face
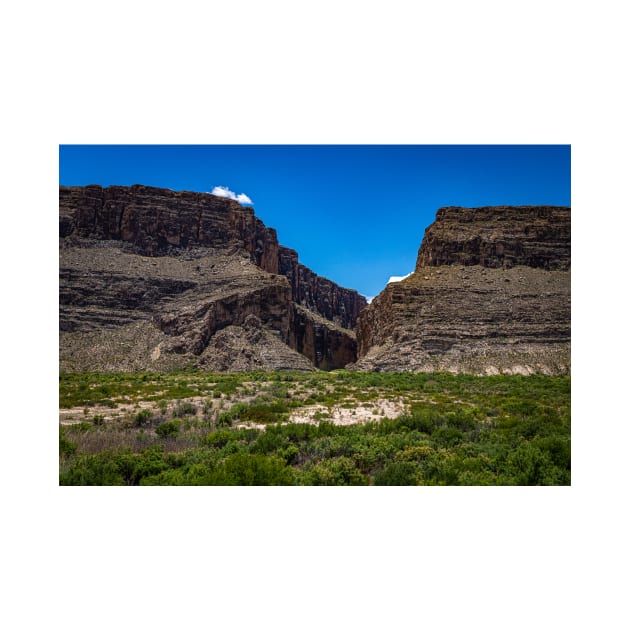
{"points": [[499, 236], [320, 295], [154, 279], [326, 346], [491, 293]]}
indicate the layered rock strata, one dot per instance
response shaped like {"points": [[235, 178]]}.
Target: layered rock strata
{"points": [[491, 293], [320, 295], [154, 279]]}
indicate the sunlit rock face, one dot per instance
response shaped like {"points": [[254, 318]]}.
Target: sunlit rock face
{"points": [[491, 293], [152, 278]]}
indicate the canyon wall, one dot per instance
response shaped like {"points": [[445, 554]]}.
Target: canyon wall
{"points": [[155, 279], [491, 293]]}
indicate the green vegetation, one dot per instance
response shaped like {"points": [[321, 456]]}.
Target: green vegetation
{"points": [[232, 429]]}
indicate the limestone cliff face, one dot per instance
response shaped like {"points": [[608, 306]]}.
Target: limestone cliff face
{"points": [[158, 221], [153, 279], [499, 236], [491, 293], [320, 295]]}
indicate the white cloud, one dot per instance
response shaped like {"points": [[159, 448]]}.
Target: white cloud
{"points": [[398, 278], [243, 198], [224, 191], [369, 298]]}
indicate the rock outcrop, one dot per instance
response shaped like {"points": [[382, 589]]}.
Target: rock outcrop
{"points": [[158, 221], [320, 295], [491, 293], [499, 236], [155, 279]]}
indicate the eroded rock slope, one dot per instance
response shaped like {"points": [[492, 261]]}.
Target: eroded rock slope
{"points": [[491, 293], [154, 279]]}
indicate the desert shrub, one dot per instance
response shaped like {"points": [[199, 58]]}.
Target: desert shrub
{"points": [[92, 470], [243, 469], [150, 462], [259, 413], [441, 469], [66, 447], [398, 474], [558, 448], [290, 454], [420, 419], [269, 441], [142, 418], [194, 475], [227, 386], [414, 453], [168, 429], [340, 471], [184, 408], [98, 420], [220, 438], [528, 465], [464, 420], [447, 436], [226, 418]]}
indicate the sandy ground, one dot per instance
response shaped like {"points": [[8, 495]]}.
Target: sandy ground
{"points": [[311, 414], [340, 415]]}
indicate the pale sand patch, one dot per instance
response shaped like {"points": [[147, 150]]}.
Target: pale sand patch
{"points": [[373, 411], [75, 415]]}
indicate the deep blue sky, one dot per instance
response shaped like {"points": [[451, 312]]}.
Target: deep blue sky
{"points": [[355, 213]]}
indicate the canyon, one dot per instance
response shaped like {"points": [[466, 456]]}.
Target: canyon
{"points": [[155, 279]]}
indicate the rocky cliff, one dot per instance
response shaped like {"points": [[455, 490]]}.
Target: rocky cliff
{"points": [[320, 295], [158, 221], [153, 278], [491, 293], [499, 236]]}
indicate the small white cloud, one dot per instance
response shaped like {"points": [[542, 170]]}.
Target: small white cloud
{"points": [[398, 278], [243, 198], [369, 298], [224, 191]]}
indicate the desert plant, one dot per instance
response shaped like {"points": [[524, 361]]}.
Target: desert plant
{"points": [[183, 409], [142, 418], [66, 447], [168, 429]]}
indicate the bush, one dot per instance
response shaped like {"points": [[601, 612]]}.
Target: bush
{"points": [[243, 469], [530, 466], [143, 418], [340, 471], [184, 409], [92, 470], [65, 446], [168, 429], [219, 439], [398, 474]]}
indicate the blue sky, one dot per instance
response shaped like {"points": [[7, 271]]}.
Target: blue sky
{"points": [[355, 213]]}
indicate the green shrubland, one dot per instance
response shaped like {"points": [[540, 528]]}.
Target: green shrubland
{"points": [[455, 430]]}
